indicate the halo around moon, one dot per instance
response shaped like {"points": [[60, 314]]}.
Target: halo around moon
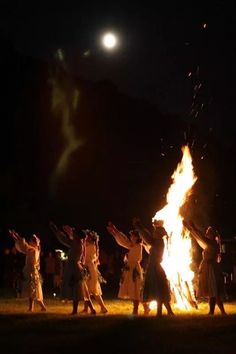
{"points": [[109, 40]]}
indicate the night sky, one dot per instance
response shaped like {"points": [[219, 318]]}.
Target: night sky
{"points": [[170, 82], [159, 45]]}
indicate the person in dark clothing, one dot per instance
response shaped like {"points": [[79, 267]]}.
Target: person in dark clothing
{"points": [[156, 286], [74, 282]]}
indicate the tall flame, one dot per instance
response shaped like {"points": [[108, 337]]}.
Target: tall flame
{"points": [[177, 253]]}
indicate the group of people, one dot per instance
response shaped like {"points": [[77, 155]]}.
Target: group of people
{"points": [[81, 274], [136, 285], [82, 279]]}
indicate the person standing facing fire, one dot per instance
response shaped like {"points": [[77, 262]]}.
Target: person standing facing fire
{"points": [[131, 281], [91, 262], [210, 281], [74, 278], [156, 285]]}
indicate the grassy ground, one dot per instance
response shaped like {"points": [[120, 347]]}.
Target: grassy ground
{"points": [[116, 332]]}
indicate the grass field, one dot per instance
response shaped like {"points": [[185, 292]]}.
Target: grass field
{"points": [[55, 331]]}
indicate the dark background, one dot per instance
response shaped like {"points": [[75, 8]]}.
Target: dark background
{"points": [[170, 83]]}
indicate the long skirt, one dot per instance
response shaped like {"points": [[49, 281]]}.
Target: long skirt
{"points": [[32, 285], [72, 283], [156, 286], [210, 281], [131, 283], [92, 281]]}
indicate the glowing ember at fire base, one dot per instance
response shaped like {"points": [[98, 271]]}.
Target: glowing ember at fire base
{"points": [[177, 254]]}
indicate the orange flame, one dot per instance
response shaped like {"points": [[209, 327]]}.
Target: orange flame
{"points": [[177, 254]]}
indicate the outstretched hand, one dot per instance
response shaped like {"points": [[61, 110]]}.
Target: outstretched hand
{"points": [[110, 227], [14, 235], [68, 230]]}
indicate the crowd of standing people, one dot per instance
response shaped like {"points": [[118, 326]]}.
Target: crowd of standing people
{"points": [[77, 277]]}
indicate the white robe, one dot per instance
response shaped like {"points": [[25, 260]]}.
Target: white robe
{"points": [[32, 286], [131, 281]]}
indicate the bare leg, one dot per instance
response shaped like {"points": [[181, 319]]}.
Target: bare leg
{"points": [[85, 309], [220, 305], [100, 302], [169, 309], [146, 308], [31, 305], [75, 307], [87, 298], [212, 304], [135, 307], [90, 306], [159, 309], [43, 307]]}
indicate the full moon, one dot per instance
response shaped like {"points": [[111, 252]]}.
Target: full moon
{"points": [[109, 40]]}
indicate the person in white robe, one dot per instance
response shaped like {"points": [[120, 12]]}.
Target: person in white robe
{"points": [[91, 263], [32, 285], [131, 281]]}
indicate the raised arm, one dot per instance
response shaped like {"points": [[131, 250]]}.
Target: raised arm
{"points": [[60, 235], [20, 243], [145, 233], [197, 234], [14, 235], [120, 238]]}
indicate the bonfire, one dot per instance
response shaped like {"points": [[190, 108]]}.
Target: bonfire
{"points": [[177, 257]]}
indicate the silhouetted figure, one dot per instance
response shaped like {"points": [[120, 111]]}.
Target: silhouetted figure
{"points": [[156, 286], [74, 277], [210, 282]]}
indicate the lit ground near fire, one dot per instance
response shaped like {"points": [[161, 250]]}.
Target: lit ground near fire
{"points": [[55, 331]]}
